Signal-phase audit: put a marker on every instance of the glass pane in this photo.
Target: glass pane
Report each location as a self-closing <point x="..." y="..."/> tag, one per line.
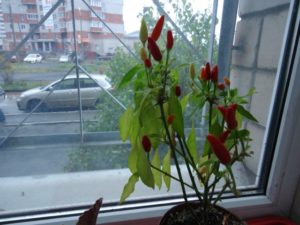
<point x="57" y="151"/>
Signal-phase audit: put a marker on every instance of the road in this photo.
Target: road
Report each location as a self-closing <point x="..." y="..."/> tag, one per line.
<point x="40" y="123"/>
<point x="40" y="146"/>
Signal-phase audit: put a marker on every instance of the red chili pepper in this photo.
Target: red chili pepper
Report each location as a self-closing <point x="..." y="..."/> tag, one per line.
<point x="158" y="28"/>
<point x="221" y="86"/>
<point x="170" y="119"/>
<point x="231" y="120"/>
<point x="170" y="40"/>
<point x="223" y="110"/>
<point x="177" y="91"/>
<point x="229" y="115"/>
<point x="219" y="149"/>
<point x="154" y="49"/>
<point x="147" y="63"/>
<point x="146" y="143"/>
<point x="224" y="135"/>
<point x="203" y="75"/>
<point x="207" y="71"/>
<point x="214" y="74"/>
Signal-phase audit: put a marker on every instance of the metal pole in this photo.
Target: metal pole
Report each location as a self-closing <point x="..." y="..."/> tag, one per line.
<point x="163" y="12"/>
<point x="32" y="111"/>
<point x="226" y="36"/>
<point x="13" y="52"/>
<point x="107" y="92"/>
<point x="77" y="71"/>
<point x="212" y="32"/>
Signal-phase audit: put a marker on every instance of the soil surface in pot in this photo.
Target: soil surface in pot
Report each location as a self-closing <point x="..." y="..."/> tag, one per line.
<point x="184" y="216"/>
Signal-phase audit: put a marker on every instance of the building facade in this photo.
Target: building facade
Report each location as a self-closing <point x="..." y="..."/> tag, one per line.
<point x="56" y="33"/>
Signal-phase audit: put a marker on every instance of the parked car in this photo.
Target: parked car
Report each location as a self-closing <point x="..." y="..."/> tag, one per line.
<point x="64" y="93"/>
<point x="64" y="58"/>
<point x="14" y="59"/>
<point x="107" y="56"/>
<point x="33" y="58"/>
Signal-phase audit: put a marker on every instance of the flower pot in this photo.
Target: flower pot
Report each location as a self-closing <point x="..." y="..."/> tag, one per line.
<point x="190" y="214"/>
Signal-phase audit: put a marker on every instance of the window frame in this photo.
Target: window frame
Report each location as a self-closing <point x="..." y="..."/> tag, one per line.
<point x="283" y="176"/>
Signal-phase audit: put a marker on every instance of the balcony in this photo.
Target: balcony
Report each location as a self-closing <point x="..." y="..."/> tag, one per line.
<point x="29" y="2"/>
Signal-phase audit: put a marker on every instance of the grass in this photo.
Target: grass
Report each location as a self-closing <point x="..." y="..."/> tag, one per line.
<point x="23" y="85"/>
<point x="48" y="67"/>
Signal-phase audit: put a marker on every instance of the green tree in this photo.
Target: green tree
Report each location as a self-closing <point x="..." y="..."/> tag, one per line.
<point x="6" y="71"/>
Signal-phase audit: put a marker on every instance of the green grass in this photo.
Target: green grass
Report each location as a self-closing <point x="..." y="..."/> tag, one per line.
<point x="90" y="66"/>
<point x="23" y="85"/>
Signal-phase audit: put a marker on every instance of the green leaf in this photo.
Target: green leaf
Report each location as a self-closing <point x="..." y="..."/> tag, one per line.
<point x="128" y="76"/>
<point x="144" y="168"/>
<point x="129" y="187"/>
<point x="166" y="167"/>
<point x="251" y="91"/>
<point x="132" y="159"/>
<point x="246" y="113"/>
<point x="206" y="149"/>
<point x="157" y="174"/>
<point x="184" y="101"/>
<point x="191" y="142"/>
<point x="135" y="129"/>
<point x="125" y="124"/>
<point x="176" y="110"/>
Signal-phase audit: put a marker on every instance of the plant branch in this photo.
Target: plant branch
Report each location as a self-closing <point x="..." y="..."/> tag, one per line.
<point x="171" y="176"/>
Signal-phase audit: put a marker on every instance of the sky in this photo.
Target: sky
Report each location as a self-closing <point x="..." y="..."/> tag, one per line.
<point x="132" y="8"/>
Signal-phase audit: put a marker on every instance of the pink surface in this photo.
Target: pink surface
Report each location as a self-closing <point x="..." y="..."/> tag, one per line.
<point x="270" y="220"/>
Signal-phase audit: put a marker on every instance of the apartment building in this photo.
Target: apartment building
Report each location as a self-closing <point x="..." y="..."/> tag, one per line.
<point x="2" y="29"/>
<point x="56" y="33"/>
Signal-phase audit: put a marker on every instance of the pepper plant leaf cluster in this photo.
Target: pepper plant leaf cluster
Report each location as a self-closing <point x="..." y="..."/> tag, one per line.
<point x="155" y="127"/>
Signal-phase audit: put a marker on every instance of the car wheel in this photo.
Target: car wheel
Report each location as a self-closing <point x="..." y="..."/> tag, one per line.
<point x="33" y="103"/>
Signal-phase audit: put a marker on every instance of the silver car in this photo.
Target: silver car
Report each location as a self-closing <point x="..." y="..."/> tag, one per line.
<point x="63" y="93"/>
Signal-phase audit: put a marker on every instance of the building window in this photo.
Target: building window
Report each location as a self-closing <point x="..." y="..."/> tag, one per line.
<point x="22" y="26"/>
<point x="32" y="16"/>
<point x="96" y="24"/>
<point x="32" y="7"/>
<point x="96" y="3"/>
<point x="99" y="13"/>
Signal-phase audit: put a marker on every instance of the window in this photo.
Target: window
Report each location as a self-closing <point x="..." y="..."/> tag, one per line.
<point x="99" y="13"/>
<point x="96" y="24"/>
<point x="96" y="3"/>
<point x="65" y="84"/>
<point x="62" y="157"/>
<point x="23" y="26"/>
<point x="32" y="16"/>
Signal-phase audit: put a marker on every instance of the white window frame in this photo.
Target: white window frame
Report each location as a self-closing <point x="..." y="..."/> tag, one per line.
<point x="283" y="177"/>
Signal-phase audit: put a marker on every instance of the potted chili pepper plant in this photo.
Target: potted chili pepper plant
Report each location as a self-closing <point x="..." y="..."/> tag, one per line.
<point x="155" y="126"/>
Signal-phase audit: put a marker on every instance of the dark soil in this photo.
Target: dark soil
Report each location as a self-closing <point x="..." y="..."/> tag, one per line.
<point x="191" y="215"/>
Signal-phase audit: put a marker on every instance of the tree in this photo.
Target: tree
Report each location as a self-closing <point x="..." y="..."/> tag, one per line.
<point x="6" y="71"/>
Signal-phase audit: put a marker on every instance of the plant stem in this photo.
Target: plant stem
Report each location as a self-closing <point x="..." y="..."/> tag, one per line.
<point x="172" y="149"/>
<point x="171" y="176"/>
<point x="189" y="170"/>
